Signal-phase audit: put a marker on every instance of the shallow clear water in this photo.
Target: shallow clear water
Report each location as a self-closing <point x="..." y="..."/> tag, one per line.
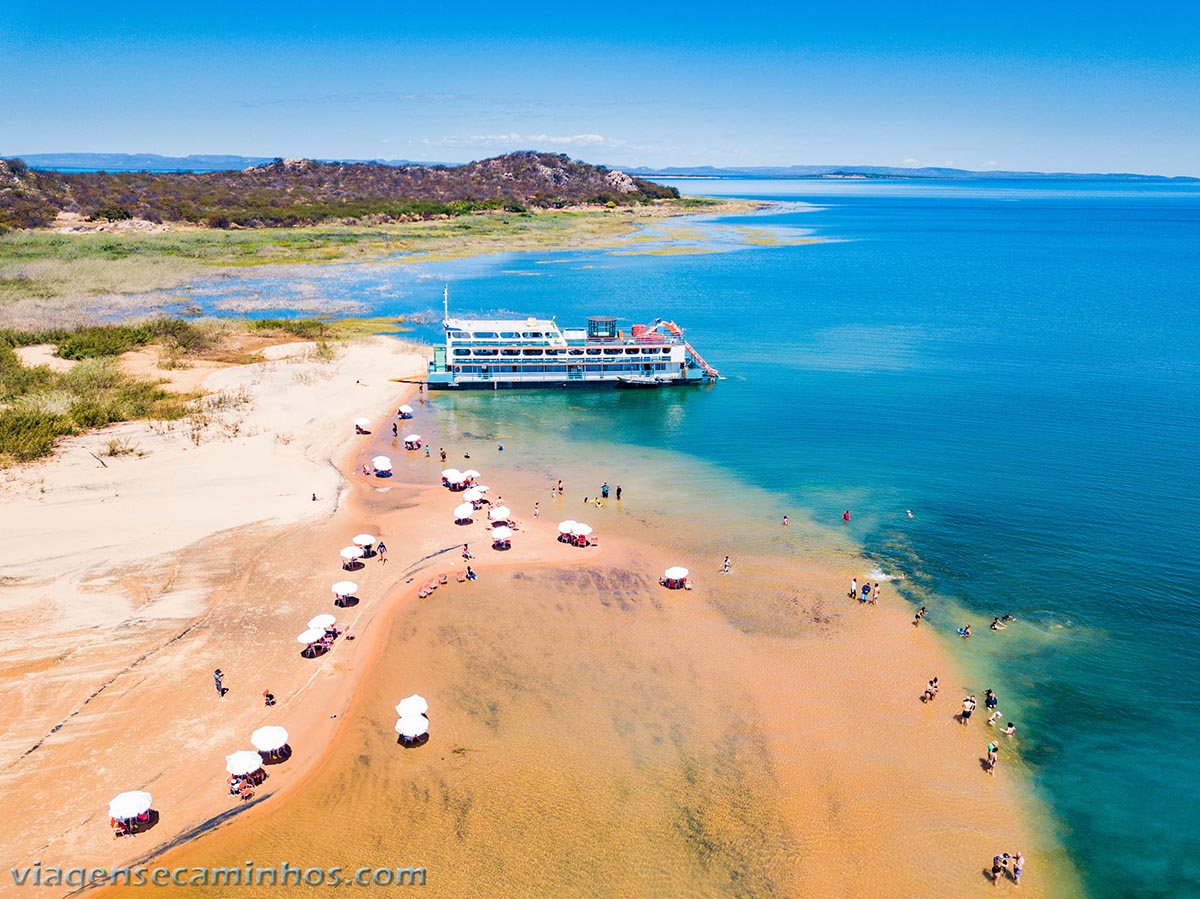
<point x="1014" y="363"/>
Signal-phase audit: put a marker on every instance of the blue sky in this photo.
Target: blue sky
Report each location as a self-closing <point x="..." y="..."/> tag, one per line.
<point x="1079" y="87"/>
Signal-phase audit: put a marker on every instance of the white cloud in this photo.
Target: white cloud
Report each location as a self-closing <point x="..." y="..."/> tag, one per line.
<point x="912" y="163"/>
<point x="991" y="164"/>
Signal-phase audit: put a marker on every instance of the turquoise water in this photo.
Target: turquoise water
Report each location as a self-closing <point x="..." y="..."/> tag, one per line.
<point x="1015" y="363"/>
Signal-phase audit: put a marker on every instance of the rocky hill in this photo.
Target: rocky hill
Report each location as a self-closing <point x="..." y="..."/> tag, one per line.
<point x="298" y="192"/>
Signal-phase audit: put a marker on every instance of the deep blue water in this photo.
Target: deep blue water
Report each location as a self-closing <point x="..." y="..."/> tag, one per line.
<point x="1017" y="364"/>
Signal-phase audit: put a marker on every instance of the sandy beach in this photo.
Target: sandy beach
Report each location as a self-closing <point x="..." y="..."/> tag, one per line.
<point x="130" y="579"/>
<point x="591" y="732"/>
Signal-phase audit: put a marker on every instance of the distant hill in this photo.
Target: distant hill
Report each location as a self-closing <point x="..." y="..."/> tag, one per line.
<point x="864" y="172"/>
<point x="284" y="193"/>
<point x="152" y="162"/>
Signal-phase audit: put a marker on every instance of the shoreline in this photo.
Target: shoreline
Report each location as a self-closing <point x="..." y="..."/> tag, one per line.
<point x="347" y="696"/>
<point x="252" y="829"/>
<point x="54" y="279"/>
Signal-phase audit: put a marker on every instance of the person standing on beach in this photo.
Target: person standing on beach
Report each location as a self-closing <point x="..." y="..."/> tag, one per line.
<point x="1018" y="864"/>
<point x="921" y="613"/>
<point x="968" y="709"/>
<point x="785" y="521"/>
<point x="442" y="453"/>
<point x="618" y="493"/>
<point x="560" y="488"/>
<point x="930" y="691"/>
<point x="382" y="550"/>
<point x="604" y="490"/>
<point x="854" y="588"/>
<point x="992" y="757"/>
<point x="395" y="430"/>
<point x="875" y="594"/>
<point x="217" y="675"/>
<point x="536" y="510"/>
<point x="997" y="869"/>
<point x="726" y="566"/>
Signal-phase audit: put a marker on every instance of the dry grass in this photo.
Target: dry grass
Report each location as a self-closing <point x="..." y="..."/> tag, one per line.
<point x="54" y="279"/>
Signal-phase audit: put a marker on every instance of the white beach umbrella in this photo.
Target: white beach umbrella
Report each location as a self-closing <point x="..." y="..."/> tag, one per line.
<point x="473" y="495"/>
<point x="413" y="438"/>
<point x="675" y="574"/>
<point x="310" y="636"/>
<point x="364" y="540"/>
<point x="470" y="473"/>
<point x="463" y="510"/>
<point x="410" y="726"/>
<point x="482" y="488"/>
<point x="362" y="422"/>
<point x="269" y="738"/>
<point x="128" y="805"/>
<point x="412" y="706"/>
<point x="322" y="621"/>
<point x="501" y="533"/>
<point x="565" y="527"/>
<point x="453" y="475"/>
<point x="581" y="529"/>
<point x="500" y="513"/>
<point x="244" y="761"/>
<point x="406" y="409"/>
<point x="352" y="552"/>
<point x="382" y="463"/>
<point x="344" y="588"/>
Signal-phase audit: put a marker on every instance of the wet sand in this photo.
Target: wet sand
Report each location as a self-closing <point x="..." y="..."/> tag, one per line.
<point x="595" y="734"/>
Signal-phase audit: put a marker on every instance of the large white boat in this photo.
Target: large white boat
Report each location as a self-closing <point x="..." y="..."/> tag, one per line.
<point x="531" y="352"/>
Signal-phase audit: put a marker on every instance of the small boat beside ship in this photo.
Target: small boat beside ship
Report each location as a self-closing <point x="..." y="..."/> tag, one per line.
<point x="531" y="352"/>
<point x="640" y="382"/>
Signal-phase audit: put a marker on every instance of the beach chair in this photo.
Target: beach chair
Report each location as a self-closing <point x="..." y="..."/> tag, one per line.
<point x="593" y="541"/>
<point x="461" y="575"/>
<point x="443" y="579"/>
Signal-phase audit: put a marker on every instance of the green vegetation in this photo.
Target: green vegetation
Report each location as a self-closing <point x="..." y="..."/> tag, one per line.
<point x="38" y="406"/>
<point x="97" y="341"/>
<point x="304" y="328"/>
<point x="67" y="278"/>
<point x="302" y="192"/>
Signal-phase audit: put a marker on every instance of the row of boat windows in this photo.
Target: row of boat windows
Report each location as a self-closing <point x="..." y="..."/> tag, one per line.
<point x="501" y="335"/>
<point x="526" y="369"/>
<point x="575" y="351"/>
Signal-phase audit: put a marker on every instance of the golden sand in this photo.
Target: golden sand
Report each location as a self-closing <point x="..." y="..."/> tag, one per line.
<point x="592" y="733"/>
